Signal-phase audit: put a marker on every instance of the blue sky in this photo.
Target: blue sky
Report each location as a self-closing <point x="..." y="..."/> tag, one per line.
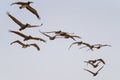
<point x="96" y="21"/>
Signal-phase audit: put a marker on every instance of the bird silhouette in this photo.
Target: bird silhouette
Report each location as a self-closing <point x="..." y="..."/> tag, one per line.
<point x="78" y="43"/>
<point x="22" y="26"/>
<point x="93" y="73"/>
<point x="50" y="37"/>
<point x="27" y="6"/>
<point x="26" y="45"/>
<point x="27" y="37"/>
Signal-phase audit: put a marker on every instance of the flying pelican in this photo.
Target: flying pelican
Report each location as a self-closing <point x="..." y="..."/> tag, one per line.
<point x="22" y="26"/>
<point x="27" y="37"/>
<point x="25" y="45"/>
<point x="27" y="6"/>
<point x="94" y="74"/>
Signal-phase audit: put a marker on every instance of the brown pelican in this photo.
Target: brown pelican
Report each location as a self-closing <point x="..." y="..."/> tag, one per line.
<point x="22" y="26"/>
<point x="26" y="45"/>
<point x="27" y="6"/>
<point x="27" y="37"/>
<point x="50" y="37"/>
<point x="94" y="74"/>
<point x="78" y="43"/>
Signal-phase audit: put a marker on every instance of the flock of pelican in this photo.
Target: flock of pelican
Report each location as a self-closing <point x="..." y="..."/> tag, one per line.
<point x="56" y="34"/>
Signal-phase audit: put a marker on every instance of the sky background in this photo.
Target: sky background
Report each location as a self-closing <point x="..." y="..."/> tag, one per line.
<point x="96" y="21"/>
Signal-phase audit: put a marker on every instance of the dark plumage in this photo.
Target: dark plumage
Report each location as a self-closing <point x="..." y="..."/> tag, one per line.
<point x="26" y="45"/>
<point x="27" y="37"/>
<point x="27" y="6"/>
<point x="22" y="26"/>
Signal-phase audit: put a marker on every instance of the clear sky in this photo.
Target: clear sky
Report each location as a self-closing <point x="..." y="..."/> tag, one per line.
<point x="96" y="21"/>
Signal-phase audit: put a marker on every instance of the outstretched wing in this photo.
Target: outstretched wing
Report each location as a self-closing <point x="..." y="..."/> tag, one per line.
<point x="17" y="41"/>
<point x="45" y="34"/>
<point x="72" y="44"/>
<point x="33" y="11"/>
<point x="101" y="60"/>
<point x="34" y="26"/>
<point x="35" y="38"/>
<point x="19" y="3"/>
<point x="18" y="33"/>
<point x="89" y="71"/>
<point x="15" y="20"/>
<point x="36" y="46"/>
<point x="99" y="69"/>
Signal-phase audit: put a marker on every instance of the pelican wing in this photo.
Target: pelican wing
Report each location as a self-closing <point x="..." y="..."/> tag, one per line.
<point x="89" y="71"/>
<point x="18" y="33"/>
<point x="33" y="11"/>
<point x="19" y="3"/>
<point x="15" y="20"/>
<point x="34" y="26"/>
<point x="101" y="60"/>
<point x="99" y="69"/>
<point x="35" y="45"/>
<point x="17" y="41"/>
<point x="45" y="34"/>
<point x="73" y="44"/>
<point x="35" y="38"/>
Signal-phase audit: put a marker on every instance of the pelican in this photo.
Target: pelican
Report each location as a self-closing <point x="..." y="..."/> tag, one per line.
<point x="26" y="45"/>
<point x="27" y="6"/>
<point x="93" y="73"/>
<point x="22" y="26"/>
<point x="27" y="37"/>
